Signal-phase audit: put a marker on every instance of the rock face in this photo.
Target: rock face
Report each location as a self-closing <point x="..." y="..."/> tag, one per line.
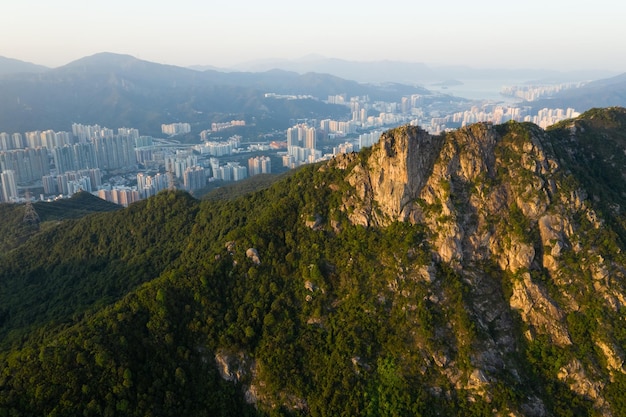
<point x="399" y="167"/>
<point x="238" y="368"/>
<point x="388" y="185"/>
<point x="497" y="195"/>
<point x="539" y="311"/>
<point x="253" y="255"/>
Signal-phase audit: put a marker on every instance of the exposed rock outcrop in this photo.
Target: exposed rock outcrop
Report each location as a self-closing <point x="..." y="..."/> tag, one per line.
<point x="253" y="255"/>
<point x="399" y="166"/>
<point x="497" y="196"/>
<point x="537" y="309"/>
<point x="505" y="277"/>
<point x="387" y="188"/>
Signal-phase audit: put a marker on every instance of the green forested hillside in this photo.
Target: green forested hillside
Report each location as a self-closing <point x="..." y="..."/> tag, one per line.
<point x="277" y="303"/>
<point x="598" y="159"/>
<point x="78" y="205"/>
<point x="163" y="334"/>
<point x="16" y="228"/>
<point x="78" y="264"/>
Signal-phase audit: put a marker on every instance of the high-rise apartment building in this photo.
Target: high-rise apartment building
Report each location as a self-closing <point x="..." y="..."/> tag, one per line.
<point x="259" y="165"/>
<point x="345" y="147"/>
<point x="62" y="187"/>
<point x="301" y="135"/>
<point x="48" y="139"/>
<point x="232" y="171"/>
<point x="63" y="138"/>
<point x="18" y="141"/>
<point x="194" y="178"/>
<point x="144" y="155"/>
<point x="64" y="160"/>
<point x="147" y="185"/>
<point x="176" y="128"/>
<point x="368" y="139"/>
<point x="28" y="164"/>
<point x="115" y="152"/>
<point x="301" y="143"/>
<point x="33" y="139"/>
<point x="128" y="132"/>
<point x="85" y="133"/>
<point x="77" y="184"/>
<point x="120" y="195"/>
<point x="49" y="185"/>
<point x="325" y="125"/>
<point x="9" y="186"/>
<point x="310" y="139"/>
<point x="216" y="148"/>
<point x="5" y="142"/>
<point x="95" y="176"/>
<point x="239" y="172"/>
<point x="179" y="163"/>
<point x="144" y="141"/>
<point x="85" y="155"/>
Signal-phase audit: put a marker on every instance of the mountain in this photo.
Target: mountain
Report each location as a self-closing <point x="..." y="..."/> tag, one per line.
<point x="476" y="273"/>
<point x="373" y="72"/>
<point x="19" y="223"/>
<point x="601" y="93"/>
<point x="119" y="90"/>
<point x="413" y="72"/>
<point x="11" y="66"/>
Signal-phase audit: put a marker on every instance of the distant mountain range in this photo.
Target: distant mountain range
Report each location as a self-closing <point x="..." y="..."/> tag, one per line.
<point x="413" y="72"/>
<point x="120" y="90"/>
<point x="601" y="93"/>
<point x="608" y="90"/>
<point x="11" y="66"/>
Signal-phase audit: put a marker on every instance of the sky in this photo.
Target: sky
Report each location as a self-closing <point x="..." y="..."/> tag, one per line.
<point x="539" y="34"/>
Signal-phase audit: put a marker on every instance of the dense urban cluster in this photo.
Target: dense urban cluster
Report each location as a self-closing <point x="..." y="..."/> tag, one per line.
<point x="436" y="119"/>
<point x="536" y="92"/>
<point x="63" y="163"/>
<point x="123" y="166"/>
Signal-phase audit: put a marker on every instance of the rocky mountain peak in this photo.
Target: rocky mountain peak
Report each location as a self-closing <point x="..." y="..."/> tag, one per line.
<point x="390" y="179"/>
<point x="503" y="196"/>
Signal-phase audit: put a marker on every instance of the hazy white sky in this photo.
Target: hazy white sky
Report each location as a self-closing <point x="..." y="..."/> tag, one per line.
<point x="551" y="34"/>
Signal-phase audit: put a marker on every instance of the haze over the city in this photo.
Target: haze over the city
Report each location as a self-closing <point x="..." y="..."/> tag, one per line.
<point x="558" y="35"/>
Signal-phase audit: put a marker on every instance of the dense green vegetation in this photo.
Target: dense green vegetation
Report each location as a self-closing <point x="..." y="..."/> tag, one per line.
<point x="329" y="348"/>
<point x="225" y="191"/>
<point x="15" y="229"/>
<point x="125" y="313"/>
<point x="67" y="269"/>
<point x="598" y="161"/>
<point x="77" y="206"/>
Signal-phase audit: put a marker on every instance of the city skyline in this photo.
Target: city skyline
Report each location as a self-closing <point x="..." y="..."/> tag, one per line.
<point x="555" y="35"/>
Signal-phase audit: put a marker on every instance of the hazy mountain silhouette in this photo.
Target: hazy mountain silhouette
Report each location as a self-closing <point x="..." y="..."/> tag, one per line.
<point x="412" y="72"/>
<point x="11" y="66"/>
<point x="601" y="93"/>
<point x="119" y="90"/>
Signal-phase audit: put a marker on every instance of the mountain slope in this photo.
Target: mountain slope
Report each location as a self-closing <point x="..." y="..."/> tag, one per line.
<point x="67" y="269"/>
<point x="601" y="93"/>
<point x="17" y="226"/>
<point x="12" y="66"/>
<point x="120" y="90"/>
<point x="412" y="72"/>
<point x="474" y="273"/>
